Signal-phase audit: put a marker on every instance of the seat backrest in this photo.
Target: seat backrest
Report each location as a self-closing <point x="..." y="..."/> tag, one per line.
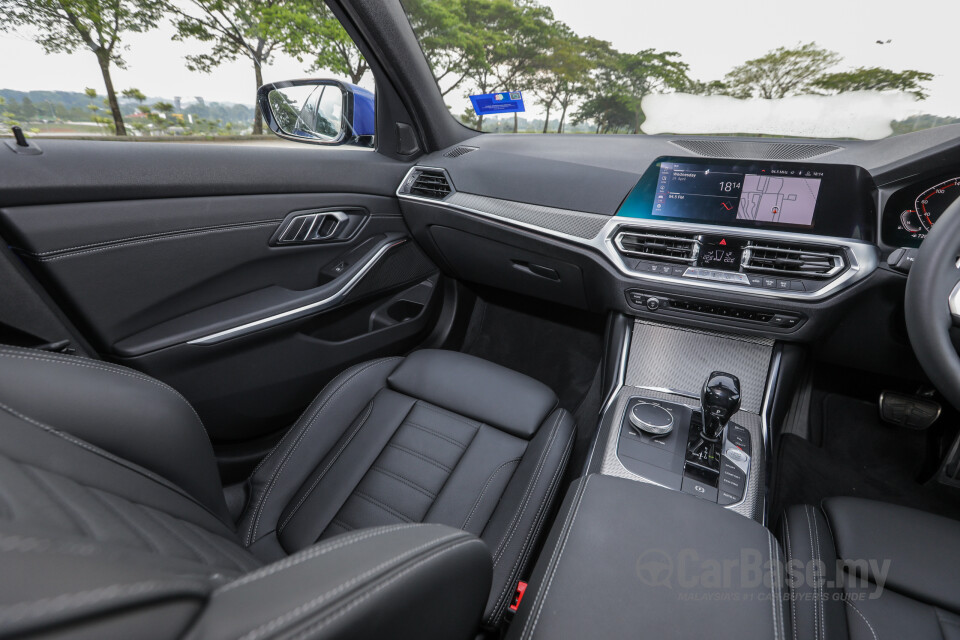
<point x="85" y="531"/>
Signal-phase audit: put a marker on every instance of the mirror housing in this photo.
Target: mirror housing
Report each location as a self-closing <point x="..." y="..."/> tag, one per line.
<point x="319" y="111"/>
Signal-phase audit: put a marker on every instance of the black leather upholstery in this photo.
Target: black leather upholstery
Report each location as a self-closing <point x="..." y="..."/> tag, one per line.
<point x="111" y="510"/>
<point x="894" y="571"/>
<point x="428" y="438"/>
<point x="634" y="560"/>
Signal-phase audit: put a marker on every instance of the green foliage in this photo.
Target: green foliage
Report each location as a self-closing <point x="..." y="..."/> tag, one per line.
<point x="321" y="40"/>
<point x="134" y="94"/>
<point x="781" y="72"/>
<point x="874" y="79"/>
<point x="65" y="26"/>
<point x="251" y="29"/>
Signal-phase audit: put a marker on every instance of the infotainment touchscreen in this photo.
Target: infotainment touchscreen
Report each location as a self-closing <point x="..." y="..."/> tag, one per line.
<point x="721" y="194"/>
<point x="803" y="197"/>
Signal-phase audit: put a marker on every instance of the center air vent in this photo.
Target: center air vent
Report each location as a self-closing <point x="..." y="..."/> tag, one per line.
<point x="429" y="183"/>
<point x="792" y="260"/>
<point x="661" y="245"/>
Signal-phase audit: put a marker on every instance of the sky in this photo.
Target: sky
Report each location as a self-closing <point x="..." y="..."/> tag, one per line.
<point x="712" y="37"/>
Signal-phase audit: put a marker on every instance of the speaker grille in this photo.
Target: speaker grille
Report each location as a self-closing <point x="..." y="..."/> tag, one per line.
<point x="756" y="150"/>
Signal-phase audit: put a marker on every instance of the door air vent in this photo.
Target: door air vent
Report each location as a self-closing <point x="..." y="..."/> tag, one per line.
<point x="659" y="245"/>
<point x="429" y="183"/>
<point x="792" y="260"/>
<point x="456" y="152"/>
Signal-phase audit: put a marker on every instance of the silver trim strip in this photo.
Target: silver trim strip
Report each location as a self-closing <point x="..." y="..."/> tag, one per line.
<point x="621" y="373"/>
<point x="766" y="415"/>
<point x="676" y="392"/>
<point x="862" y="257"/>
<point x="299" y="312"/>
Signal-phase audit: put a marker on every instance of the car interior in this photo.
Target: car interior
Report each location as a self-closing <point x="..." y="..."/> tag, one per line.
<point x="467" y="385"/>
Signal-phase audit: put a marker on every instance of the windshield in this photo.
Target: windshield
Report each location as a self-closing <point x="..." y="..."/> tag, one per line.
<point x="820" y="68"/>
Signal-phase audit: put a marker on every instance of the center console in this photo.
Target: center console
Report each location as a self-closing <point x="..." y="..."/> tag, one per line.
<point x="689" y="414"/>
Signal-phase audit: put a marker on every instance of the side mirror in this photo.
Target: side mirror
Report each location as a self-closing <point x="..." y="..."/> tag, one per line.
<point x="319" y="111"/>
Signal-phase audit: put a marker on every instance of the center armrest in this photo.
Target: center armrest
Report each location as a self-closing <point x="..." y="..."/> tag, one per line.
<point x="630" y="559"/>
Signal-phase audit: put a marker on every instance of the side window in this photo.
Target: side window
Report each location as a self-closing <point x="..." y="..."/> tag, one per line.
<point x="187" y="70"/>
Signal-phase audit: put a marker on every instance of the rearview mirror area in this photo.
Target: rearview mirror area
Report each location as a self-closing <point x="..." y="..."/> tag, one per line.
<point x="319" y="111"/>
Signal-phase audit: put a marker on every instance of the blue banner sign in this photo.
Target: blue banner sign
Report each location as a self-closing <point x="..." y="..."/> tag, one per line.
<point x="493" y="103"/>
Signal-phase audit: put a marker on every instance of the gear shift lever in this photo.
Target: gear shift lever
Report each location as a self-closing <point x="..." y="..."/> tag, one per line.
<point x="719" y="400"/>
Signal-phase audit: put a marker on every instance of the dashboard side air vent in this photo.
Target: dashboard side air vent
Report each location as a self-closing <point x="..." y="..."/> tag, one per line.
<point x="429" y="183"/>
<point x="461" y="150"/>
<point x="659" y="245"/>
<point x="793" y="260"/>
<point x="756" y="150"/>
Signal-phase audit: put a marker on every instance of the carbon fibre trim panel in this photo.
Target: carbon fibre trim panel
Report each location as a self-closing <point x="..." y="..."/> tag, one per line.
<point x="679" y="358"/>
<point x="753" y="500"/>
<point x="574" y="223"/>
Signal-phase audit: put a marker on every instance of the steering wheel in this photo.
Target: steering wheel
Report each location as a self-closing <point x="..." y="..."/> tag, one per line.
<point x="933" y="303"/>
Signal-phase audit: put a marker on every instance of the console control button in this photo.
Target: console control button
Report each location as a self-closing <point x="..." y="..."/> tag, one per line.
<point x="732" y="478"/>
<point x="653" y="303"/>
<point x="700" y="489"/>
<point x="739" y="436"/>
<point x="651" y="418"/>
<point x="770" y="283"/>
<point x="736" y="454"/>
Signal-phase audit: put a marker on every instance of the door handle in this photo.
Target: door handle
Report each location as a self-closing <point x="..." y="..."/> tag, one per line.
<point x="316" y="226"/>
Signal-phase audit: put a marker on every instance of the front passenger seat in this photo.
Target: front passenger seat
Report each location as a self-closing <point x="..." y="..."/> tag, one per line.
<point x="112" y="512"/>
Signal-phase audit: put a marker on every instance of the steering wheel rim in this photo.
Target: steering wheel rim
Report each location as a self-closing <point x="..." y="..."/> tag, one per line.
<point x="932" y="285"/>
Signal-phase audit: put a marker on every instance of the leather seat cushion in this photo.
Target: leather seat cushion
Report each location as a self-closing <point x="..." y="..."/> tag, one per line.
<point x="437" y="437"/>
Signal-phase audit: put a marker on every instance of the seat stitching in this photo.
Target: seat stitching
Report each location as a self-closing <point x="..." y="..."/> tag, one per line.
<point x="773" y="580"/>
<point x="191" y="546"/>
<point x="860" y="613"/>
<point x="45" y="606"/>
<point x="234" y="554"/>
<point x="76" y="515"/>
<point x="421" y="456"/>
<point x="146" y="473"/>
<point x="312" y="552"/>
<point x="534" y="530"/>
<point x="298" y="438"/>
<point x="484" y="491"/>
<point x="133" y="243"/>
<point x="140" y="532"/>
<point x="527" y="492"/>
<point x="816" y="590"/>
<point x="540" y="599"/>
<point x="793" y="603"/>
<point x="94" y="364"/>
<point x="448" y="414"/>
<point x="405" y="481"/>
<point x="322" y="475"/>
<point x="162" y="234"/>
<point x="816" y="537"/>
<point x="436" y="433"/>
<point x="310" y="606"/>
<point x="395" y="512"/>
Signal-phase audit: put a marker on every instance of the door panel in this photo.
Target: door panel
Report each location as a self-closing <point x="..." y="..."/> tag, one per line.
<point x="204" y="293"/>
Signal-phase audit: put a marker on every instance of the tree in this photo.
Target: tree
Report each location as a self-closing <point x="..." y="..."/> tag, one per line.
<point x="781" y="72"/>
<point x="649" y="71"/>
<point x="526" y="28"/>
<point x="874" y="79"/>
<point x="611" y="112"/>
<point x="64" y="26"/>
<point x="251" y="29"/>
<point x="561" y="74"/>
<point x="446" y="37"/>
<point x="328" y="43"/>
<point x="134" y="94"/>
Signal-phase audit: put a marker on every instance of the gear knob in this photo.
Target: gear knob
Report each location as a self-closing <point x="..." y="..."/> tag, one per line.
<point x="719" y="400"/>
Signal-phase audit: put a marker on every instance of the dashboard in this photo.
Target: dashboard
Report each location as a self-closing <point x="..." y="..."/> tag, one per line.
<point x="779" y="238"/>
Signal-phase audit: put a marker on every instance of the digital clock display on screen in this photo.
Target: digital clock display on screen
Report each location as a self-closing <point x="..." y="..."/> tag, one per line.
<point x="721" y="194"/>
